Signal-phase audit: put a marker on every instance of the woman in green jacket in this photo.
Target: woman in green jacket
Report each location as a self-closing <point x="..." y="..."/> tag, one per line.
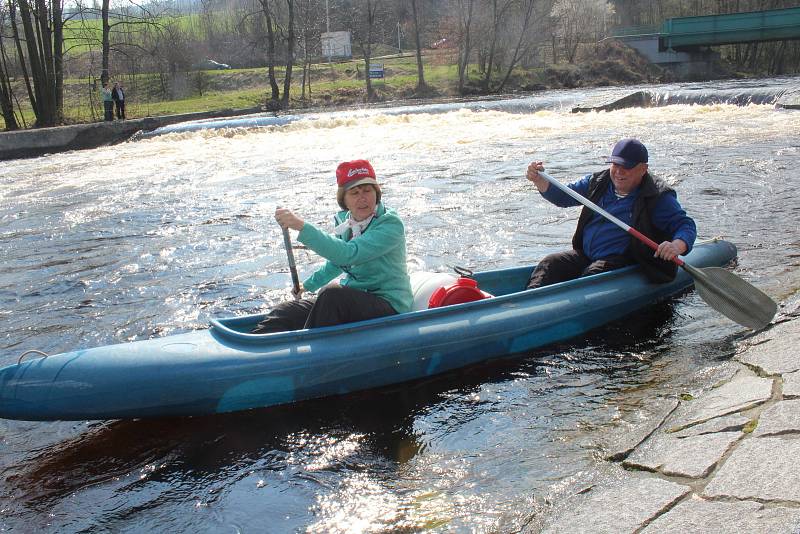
<point x="369" y="248"/>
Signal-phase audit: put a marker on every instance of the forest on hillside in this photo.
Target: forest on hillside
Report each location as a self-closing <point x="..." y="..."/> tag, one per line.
<point x="45" y="42"/>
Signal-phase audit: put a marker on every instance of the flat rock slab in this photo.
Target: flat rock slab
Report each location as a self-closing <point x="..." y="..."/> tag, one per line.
<point x="620" y="506"/>
<point x="692" y="457"/>
<point x="626" y="442"/>
<point x="760" y="468"/>
<point x="781" y="418"/>
<point x="741" y="393"/>
<point x="698" y="515"/>
<point x="728" y="423"/>
<point x="776" y="349"/>
<point x="791" y="385"/>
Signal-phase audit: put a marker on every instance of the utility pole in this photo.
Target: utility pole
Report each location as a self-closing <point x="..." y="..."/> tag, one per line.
<point x="400" y="50"/>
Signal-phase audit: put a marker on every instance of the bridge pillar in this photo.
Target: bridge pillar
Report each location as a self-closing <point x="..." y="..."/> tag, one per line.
<point x="699" y="64"/>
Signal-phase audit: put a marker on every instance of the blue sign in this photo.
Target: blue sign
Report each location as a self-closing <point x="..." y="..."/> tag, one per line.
<point x="376" y="70"/>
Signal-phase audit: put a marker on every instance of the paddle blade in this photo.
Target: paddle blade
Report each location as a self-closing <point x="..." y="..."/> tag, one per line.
<point x="734" y="298"/>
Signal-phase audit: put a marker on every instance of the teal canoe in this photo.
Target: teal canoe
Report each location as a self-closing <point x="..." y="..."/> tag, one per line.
<point x="225" y="369"/>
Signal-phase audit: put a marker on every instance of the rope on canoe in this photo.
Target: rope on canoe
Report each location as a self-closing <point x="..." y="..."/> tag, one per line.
<point x="709" y="240"/>
<point x="32" y="351"/>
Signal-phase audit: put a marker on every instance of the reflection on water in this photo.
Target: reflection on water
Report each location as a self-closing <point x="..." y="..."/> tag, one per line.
<point x="155" y="237"/>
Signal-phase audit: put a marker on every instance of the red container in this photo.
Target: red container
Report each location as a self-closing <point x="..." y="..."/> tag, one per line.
<point x="464" y="290"/>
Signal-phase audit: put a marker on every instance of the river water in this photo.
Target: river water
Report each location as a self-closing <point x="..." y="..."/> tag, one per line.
<point x="154" y="237"/>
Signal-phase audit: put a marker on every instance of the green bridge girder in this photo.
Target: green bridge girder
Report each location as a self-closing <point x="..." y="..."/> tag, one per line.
<point x="687" y="33"/>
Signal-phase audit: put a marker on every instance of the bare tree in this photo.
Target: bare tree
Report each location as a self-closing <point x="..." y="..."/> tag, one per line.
<point x="363" y="19"/>
<point x="104" y="74"/>
<point x="580" y="21"/>
<point x="290" y="46"/>
<point x="269" y="10"/>
<point x="279" y="18"/>
<point x="464" y="10"/>
<point x="307" y="22"/>
<point x="498" y="10"/>
<point x="42" y="26"/>
<point x="6" y="91"/>
<point x="523" y="39"/>
<point x="421" y="86"/>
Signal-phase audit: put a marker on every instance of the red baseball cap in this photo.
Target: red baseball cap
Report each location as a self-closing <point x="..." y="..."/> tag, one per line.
<point x="352" y="173"/>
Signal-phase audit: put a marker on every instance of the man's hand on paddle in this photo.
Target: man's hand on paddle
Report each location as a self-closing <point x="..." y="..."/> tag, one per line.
<point x="669" y="250"/>
<point x="533" y="175"/>
<point x="287" y="219"/>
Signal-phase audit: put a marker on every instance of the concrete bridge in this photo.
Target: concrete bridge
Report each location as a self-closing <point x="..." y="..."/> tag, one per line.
<point x="687" y="40"/>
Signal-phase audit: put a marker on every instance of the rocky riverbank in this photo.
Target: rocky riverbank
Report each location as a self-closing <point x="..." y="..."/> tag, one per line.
<point x="723" y="460"/>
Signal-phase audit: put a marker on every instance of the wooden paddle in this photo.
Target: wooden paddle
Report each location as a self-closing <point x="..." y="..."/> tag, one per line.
<point x="287" y="243"/>
<point x="722" y="290"/>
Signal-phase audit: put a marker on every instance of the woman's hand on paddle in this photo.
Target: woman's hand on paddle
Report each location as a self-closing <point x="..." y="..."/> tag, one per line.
<point x="297" y="293"/>
<point x="669" y="250"/>
<point x="538" y="180"/>
<point x="287" y="219"/>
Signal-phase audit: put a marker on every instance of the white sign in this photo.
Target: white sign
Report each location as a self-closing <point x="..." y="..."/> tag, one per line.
<point x="336" y="44"/>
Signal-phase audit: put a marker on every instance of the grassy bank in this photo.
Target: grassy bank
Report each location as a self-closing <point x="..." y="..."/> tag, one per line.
<point x="333" y="84"/>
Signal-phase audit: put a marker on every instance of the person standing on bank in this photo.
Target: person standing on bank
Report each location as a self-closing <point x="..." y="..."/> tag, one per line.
<point x="629" y="192"/>
<point x="118" y="95"/>
<point x="108" y="102"/>
<point x="369" y="248"/>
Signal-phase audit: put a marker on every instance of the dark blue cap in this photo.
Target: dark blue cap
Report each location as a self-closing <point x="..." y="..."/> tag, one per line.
<point x="628" y="153"/>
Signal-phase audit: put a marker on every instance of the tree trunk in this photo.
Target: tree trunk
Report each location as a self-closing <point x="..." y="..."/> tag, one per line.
<point x="6" y="94"/>
<point x="290" y="44"/>
<point x="40" y="55"/>
<point x="496" y="17"/>
<point x="421" y="86"/>
<point x="105" y="75"/>
<point x="371" y="10"/>
<point x="18" y="43"/>
<point x="274" y="101"/>
<point x="465" y="44"/>
<point x="58" y="59"/>
<point x="522" y="34"/>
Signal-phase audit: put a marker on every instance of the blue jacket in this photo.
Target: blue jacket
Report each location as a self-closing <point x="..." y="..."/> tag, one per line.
<point x="602" y="238"/>
<point x="374" y="262"/>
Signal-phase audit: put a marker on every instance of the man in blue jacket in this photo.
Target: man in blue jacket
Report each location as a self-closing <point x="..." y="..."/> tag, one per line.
<point x="629" y="192"/>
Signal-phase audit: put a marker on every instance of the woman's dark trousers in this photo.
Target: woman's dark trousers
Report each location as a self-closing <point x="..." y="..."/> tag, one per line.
<point x="334" y="305"/>
<point x="572" y="264"/>
<point x="108" y="109"/>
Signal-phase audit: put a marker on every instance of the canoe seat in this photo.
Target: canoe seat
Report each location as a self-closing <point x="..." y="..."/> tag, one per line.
<point x="423" y="284"/>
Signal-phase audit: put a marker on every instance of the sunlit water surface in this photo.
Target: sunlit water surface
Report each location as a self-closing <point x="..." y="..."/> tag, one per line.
<point x="157" y="236"/>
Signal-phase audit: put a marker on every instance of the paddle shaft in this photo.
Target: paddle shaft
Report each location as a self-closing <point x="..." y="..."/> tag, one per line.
<point x="287" y="243"/>
<point x="597" y="209"/>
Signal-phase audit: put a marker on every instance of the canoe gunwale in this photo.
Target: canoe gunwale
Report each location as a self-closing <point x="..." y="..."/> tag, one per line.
<point x="222" y="326"/>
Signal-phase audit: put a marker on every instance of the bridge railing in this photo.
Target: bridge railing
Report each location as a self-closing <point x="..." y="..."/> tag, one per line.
<point x="769" y="25"/>
<point x="648" y="30"/>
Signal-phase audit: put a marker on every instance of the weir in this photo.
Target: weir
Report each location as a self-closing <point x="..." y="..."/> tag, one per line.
<point x="783" y="93"/>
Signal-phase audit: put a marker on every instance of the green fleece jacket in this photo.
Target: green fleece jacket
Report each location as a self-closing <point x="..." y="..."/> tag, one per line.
<point x="374" y="262"/>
